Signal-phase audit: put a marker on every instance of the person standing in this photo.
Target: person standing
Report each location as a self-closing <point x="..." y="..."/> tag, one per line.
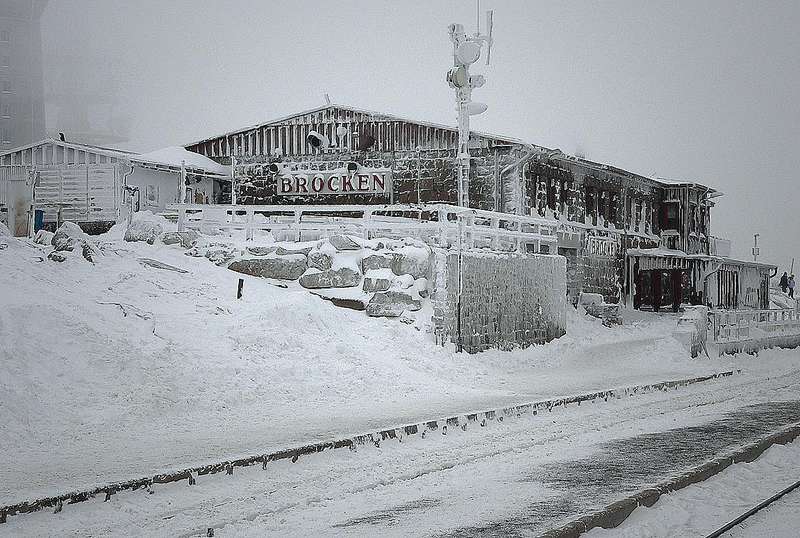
<point x="791" y="286"/>
<point x="784" y="282"/>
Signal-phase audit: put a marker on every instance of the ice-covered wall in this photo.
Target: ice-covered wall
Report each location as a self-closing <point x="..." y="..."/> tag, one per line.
<point x="507" y="301"/>
<point x="424" y="176"/>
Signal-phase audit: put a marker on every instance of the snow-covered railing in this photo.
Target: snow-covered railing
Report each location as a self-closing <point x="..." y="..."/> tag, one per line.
<point x="437" y="224"/>
<point x="741" y="325"/>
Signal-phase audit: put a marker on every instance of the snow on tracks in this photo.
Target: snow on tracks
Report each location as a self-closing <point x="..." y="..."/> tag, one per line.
<point x="352" y="442"/>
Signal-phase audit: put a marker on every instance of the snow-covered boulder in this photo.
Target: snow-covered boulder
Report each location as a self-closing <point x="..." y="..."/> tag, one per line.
<point x="142" y="228"/>
<point x="320" y="260"/>
<point x="280" y="251"/>
<point x="261" y="251"/>
<point x="391" y="304"/>
<point x="43" y="237"/>
<point x="186" y="239"/>
<point x="220" y="253"/>
<point x="70" y="238"/>
<point x="67" y="236"/>
<point x="377" y="280"/>
<point x="375" y="261"/>
<point x="590" y="299"/>
<point x="344" y="277"/>
<point x="281" y="267"/>
<point x="4" y="231"/>
<point x="343" y="242"/>
<point x="412" y="260"/>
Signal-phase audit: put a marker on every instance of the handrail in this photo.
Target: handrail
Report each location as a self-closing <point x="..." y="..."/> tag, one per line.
<point x="739" y="325"/>
<point x="439" y="224"/>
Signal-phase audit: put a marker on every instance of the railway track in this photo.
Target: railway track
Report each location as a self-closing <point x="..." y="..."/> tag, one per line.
<point x="760" y="506"/>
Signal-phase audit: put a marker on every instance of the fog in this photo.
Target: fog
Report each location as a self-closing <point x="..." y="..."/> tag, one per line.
<point x="702" y="91"/>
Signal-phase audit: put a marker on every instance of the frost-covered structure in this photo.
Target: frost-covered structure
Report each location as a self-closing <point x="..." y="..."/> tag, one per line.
<point x="602" y="211"/>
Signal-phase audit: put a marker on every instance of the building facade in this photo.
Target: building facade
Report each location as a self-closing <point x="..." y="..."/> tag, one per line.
<point x="21" y="77"/>
<point x="602" y="211"/>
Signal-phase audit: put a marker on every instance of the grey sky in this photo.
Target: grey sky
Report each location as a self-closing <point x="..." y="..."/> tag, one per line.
<point x="704" y="90"/>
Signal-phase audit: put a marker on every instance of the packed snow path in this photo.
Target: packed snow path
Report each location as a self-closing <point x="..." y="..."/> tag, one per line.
<point x="521" y="476"/>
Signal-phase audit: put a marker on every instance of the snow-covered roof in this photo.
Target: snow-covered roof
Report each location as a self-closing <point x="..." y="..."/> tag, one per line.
<point x="175" y="156"/>
<point x="169" y="157"/>
<point x="674" y="253"/>
<point x="392" y="117"/>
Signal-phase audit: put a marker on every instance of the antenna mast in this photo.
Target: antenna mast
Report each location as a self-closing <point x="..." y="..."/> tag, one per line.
<point x="466" y="51"/>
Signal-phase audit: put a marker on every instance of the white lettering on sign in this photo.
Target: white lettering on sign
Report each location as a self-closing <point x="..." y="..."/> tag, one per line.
<point x="335" y="182"/>
<point x="597" y="246"/>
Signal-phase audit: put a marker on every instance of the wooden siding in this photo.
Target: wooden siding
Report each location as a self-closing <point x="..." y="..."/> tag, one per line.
<point x="50" y="153"/>
<point x="85" y="193"/>
<point x="391" y="134"/>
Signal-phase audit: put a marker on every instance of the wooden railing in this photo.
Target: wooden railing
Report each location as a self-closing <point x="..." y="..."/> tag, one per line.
<point x="436" y="224"/>
<point x="729" y="326"/>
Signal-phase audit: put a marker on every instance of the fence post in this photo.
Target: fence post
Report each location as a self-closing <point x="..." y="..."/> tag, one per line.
<point x="248" y="233"/>
<point x="181" y="218"/>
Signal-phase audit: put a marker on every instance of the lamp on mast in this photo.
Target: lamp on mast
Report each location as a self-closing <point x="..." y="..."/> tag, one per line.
<point x="467" y="51"/>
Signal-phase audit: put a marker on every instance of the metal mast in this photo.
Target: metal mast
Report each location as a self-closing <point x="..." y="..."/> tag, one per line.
<point x="467" y="51"/>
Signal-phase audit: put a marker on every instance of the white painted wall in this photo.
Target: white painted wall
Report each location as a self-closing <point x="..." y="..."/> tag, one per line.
<point x="158" y="188"/>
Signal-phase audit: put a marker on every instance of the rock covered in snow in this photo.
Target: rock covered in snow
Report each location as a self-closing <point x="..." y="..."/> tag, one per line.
<point x="67" y="236"/>
<point x="4" y="231"/>
<point x="280" y="251"/>
<point x="412" y="260"/>
<point x="343" y="277"/>
<point x="261" y="251"/>
<point x="343" y="242"/>
<point x="320" y="260"/>
<point x="186" y="239"/>
<point x="70" y="238"/>
<point x="143" y="229"/>
<point x="391" y="304"/>
<point x="43" y="237"/>
<point x="375" y="261"/>
<point x="221" y="254"/>
<point x="377" y="280"/>
<point x="288" y="267"/>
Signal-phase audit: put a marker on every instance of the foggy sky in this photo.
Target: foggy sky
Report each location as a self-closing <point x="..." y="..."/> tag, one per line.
<point x="698" y="90"/>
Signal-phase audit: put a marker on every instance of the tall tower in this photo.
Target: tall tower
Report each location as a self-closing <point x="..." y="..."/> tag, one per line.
<point x="21" y="77"/>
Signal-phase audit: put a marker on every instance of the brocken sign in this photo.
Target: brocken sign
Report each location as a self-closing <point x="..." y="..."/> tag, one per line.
<point x="369" y="181"/>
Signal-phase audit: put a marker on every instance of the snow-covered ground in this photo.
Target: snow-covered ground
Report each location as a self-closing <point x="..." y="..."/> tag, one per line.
<point x="700" y="509"/>
<point x="515" y="478"/>
<point x="117" y="369"/>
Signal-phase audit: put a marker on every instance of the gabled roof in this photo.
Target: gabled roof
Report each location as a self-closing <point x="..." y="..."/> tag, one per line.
<point x="99" y="150"/>
<point x="378" y="115"/>
<point x="166" y="158"/>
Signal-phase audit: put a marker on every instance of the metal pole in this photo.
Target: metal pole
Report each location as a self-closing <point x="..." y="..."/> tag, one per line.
<point x="182" y="188"/>
<point x="233" y="180"/>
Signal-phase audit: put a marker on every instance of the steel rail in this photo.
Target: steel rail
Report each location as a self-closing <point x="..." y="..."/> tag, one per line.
<point x="731" y="524"/>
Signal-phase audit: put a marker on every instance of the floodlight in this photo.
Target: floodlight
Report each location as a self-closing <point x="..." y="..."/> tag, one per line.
<point x="468" y="52"/>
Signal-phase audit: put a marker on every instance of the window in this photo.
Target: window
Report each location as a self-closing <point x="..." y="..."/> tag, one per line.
<point x="669" y="216"/>
<point x="5" y="137"/>
<point x="5" y="36"/>
<point x="6" y="86"/>
<point x="591" y="208"/>
<point x="5" y="110"/>
<point x="151" y="195"/>
<point x="5" y="61"/>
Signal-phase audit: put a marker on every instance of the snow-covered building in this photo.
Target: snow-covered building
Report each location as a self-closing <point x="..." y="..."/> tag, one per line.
<point x="602" y="211"/>
<point x="95" y="186"/>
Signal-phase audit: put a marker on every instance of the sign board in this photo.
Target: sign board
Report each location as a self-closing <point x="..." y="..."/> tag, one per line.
<point x="364" y="181"/>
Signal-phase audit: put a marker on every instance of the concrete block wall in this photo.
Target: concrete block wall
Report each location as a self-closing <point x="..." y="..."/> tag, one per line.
<point x="507" y="300"/>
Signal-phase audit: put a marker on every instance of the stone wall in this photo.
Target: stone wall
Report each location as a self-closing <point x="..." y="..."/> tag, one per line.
<point x="507" y="301"/>
<point x="427" y="176"/>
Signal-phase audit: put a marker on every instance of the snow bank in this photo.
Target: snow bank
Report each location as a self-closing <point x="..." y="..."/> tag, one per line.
<point x="124" y="369"/>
